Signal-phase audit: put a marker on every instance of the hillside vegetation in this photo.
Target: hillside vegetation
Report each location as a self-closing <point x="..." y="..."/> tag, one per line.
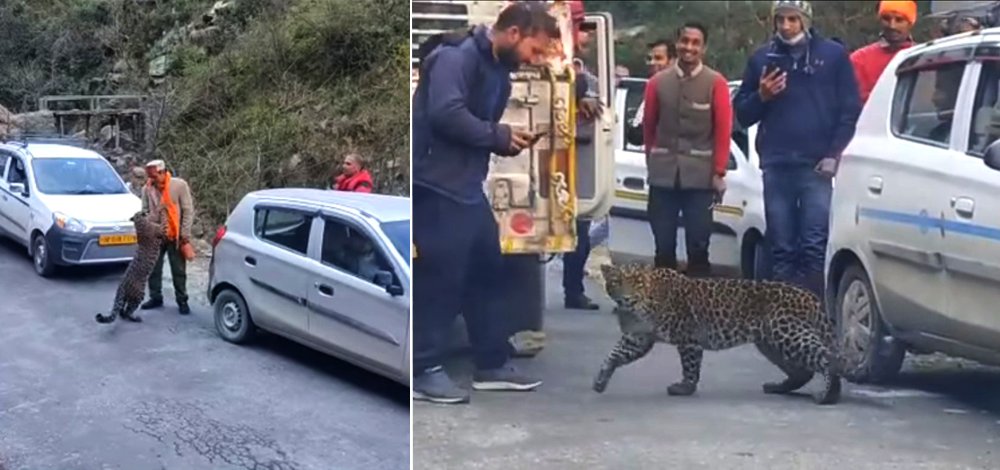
<point x="244" y="94"/>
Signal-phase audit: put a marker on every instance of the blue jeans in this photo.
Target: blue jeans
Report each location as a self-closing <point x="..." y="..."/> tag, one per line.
<point x="797" y="212"/>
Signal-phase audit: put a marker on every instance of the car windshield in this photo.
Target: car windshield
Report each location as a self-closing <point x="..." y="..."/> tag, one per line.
<point x="76" y="176"/>
<point x="399" y="234"/>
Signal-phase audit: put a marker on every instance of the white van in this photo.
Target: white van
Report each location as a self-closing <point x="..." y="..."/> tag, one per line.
<point x="67" y="205"/>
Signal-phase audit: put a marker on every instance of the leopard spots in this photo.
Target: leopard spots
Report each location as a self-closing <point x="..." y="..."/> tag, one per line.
<point x="786" y="323"/>
<point x="132" y="288"/>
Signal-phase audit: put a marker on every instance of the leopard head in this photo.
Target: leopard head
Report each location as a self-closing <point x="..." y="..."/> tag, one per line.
<point x="144" y="228"/>
<point x="620" y="284"/>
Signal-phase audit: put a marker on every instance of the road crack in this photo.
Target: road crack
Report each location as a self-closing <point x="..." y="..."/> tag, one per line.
<point x="188" y="428"/>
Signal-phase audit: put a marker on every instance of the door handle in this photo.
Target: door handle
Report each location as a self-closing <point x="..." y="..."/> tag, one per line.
<point x="964" y="206"/>
<point x="875" y="185"/>
<point x="250" y="261"/>
<point x="324" y="290"/>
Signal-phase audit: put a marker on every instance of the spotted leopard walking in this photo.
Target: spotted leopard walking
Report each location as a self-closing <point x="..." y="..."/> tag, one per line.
<point x="132" y="288"/>
<point x="786" y="323"/>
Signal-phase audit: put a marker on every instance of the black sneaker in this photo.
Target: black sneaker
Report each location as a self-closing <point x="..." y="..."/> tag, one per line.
<point x="183" y="308"/>
<point x="435" y="386"/>
<point x="503" y="379"/>
<point x="151" y="304"/>
<point x="580" y="302"/>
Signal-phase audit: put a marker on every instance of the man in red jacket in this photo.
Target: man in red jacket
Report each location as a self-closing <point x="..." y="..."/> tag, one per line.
<point x="687" y="123"/>
<point x="355" y="176"/>
<point x="897" y="19"/>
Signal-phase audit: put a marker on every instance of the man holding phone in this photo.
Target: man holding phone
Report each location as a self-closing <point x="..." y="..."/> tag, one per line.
<point x="687" y="124"/>
<point x="801" y="89"/>
<point x="457" y="105"/>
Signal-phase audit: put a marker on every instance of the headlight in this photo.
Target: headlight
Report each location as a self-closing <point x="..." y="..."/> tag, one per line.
<point x="68" y="223"/>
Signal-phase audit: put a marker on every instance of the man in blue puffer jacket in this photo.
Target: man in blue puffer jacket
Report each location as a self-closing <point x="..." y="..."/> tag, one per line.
<point x="801" y="88"/>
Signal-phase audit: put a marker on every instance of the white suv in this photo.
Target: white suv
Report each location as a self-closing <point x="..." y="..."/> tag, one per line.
<point x="66" y="204"/>
<point x="914" y="256"/>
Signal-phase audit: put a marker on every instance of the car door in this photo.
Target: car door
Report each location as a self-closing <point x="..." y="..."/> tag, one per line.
<point x="5" y="224"/>
<point x="971" y="250"/>
<point x="894" y="189"/>
<point x="276" y="267"/>
<point x="16" y="205"/>
<point x="348" y="310"/>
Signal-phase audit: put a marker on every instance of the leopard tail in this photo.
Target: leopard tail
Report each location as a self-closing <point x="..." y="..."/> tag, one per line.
<point x="115" y="310"/>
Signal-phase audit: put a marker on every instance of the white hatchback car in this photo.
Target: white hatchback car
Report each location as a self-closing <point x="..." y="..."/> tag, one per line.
<point x="914" y="256"/>
<point x="66" y="204"/>
<point x="738" y="247"/>
<point x="328" y="269"/>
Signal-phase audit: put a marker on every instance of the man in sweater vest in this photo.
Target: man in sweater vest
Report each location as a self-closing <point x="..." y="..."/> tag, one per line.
<point x="897" y="17"/>
<point x="686" y="130"/>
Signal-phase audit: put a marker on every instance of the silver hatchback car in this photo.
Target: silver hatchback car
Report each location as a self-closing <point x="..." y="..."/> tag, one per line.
<point x="327" y="269"/>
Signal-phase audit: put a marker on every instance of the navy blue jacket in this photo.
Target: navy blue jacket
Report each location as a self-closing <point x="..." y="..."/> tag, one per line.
<point x="814" y="117"/>
<point x="462" y="93"/>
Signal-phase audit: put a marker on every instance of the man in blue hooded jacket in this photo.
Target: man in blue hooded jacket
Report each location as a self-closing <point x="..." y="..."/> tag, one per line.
<point x="457" y="105"/>
<point x="801" y="89"/>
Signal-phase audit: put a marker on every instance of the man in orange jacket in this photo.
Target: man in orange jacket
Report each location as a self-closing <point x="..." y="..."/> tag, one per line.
<point x="897" y="19"/>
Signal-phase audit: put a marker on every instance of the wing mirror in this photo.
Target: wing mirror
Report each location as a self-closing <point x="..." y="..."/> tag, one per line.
<point x="386" y="280"/>
<point x="992" y="156"/>
<point x="19" y="188"/>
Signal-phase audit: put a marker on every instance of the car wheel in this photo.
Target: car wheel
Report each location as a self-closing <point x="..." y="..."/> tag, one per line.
<point x="870" y="354"/>
<point x="232" y="318"/>
<point x="41" y="258"/>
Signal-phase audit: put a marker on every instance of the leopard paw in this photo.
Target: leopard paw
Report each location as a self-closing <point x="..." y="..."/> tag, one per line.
<point x="601" y="381"/>
<point x="682" y="389"/>
<point x="133" y="318"/>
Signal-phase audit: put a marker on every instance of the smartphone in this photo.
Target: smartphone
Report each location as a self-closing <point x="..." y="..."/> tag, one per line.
<point x="538" y="136"/>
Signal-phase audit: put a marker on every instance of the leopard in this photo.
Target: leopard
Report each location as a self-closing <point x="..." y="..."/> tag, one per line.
<point x="786" y="323"/>
<point x="132" y="288"/>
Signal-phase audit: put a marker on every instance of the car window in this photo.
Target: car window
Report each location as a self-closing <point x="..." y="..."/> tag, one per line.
<point x="924" y="103"/>
<point x="732" y="162"/>
<point x="17" y="173"/>
<point x="986" y="110"/>
<point x="353" y="251"/>
<point x="3" y="164"/>
<point x="398" y="233"/>
<point x="285" y="227"/>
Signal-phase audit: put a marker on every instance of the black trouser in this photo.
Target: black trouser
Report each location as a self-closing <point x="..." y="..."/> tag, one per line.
<point x="178" y="271"/>
<point x="575" y="261"/>
<point x="665" y="208"/>
<point x="457" y="269"/>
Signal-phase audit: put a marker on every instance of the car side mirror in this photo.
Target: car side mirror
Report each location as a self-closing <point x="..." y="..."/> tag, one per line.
<point x="19" y="188"/>
<point x="386" y="280"/>
<point x="992" y="156"/>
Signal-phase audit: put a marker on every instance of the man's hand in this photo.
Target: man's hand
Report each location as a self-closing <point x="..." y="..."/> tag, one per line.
<point x="827" y="167"/>
<point x="772" y="83"/>
<point x="590" y="108"/>
<point x="520" y="140"/>
<point x="719" y="184"/>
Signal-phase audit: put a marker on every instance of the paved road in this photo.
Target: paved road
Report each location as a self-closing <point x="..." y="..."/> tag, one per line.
<point x="169" y="394"/>
<point x="941" y="414"/>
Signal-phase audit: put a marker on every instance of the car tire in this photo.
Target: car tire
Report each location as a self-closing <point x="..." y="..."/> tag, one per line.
<point x="232" y="318"/>
<point x="41" y="257"/>
<point x="869" y="357"/>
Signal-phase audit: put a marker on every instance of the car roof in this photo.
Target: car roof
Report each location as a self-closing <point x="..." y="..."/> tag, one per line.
<point x="48" y="150"/>
<point x="380" y="206"/>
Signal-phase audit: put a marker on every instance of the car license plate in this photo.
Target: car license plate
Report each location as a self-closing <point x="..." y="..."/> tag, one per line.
<point x="112" y="240"/>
